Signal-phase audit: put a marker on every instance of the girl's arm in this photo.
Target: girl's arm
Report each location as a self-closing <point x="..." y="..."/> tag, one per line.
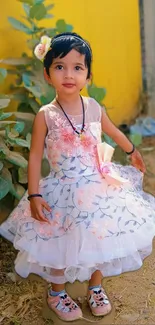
<point x="37" y="204"/>
<point x="118" y="137"/>
<point x="36" y="152"/>
<point x="114" y="133"/>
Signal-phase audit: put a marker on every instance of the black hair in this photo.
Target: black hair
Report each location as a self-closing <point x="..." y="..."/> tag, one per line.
<point x="62" y="44"/>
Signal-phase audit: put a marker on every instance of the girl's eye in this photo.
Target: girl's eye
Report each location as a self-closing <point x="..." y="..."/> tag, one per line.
<point x="78" y="68"/>
<point x="59" y="67"/>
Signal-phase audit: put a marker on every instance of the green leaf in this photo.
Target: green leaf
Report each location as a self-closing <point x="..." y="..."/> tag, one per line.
<point x="4" y="187"/>
<point x="97" y="93"/>
<point x="136" y="139"/>
<point x="1" y="165"/>
<point x="38" y="12"/>
<point x="24" y="108"/>
<point x="51" y="32"/>
<point x="19" y="97"/>
<point x="35" y="90"/>
<point x="4" y="102"/>
<point x="26" y="79"/>
<point x="49" y="16"/>
<point x="48" y="95"/>
<point x="18" y="61"/>
<point x="16" y="159"/>
<point x="19" y="26"/>
<point x="24" y="116"/>
<point x="50" y="7"/>
<point x="69" y="28"/>
<point x="32" y="43"/>
<point x="13" y="133"/>
<point x="63" y="27"/>
<point x="26" y="8"/>
<point x="5" y="182"/>
<point x="6" y="176"/>
<point x="2" y="154"/>
<point x="3" y="147"/>
<point x="20" y="191"/>
<point x="19" y="142"/>
<point x="34" y="104"/>
<point x="37" y="2"/>
<point x="19" y="126"/>
<point x="7" y="164"/>
<point x="29" y="2"/>
<point x="3" y="116"/>
<point x="28" y="139"/>
<point x="4" y="124"/>
<point x="22" y="175"/>
<point x="5" y="173"/>
<point x="3" y="74"/>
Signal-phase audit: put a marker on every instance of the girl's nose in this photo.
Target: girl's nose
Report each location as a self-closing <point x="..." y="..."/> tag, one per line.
<point x="68" y="74"/>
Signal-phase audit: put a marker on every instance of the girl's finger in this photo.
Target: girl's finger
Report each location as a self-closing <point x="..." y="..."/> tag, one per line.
<point x="46" y="206"/>
<point x="41" y="216"/>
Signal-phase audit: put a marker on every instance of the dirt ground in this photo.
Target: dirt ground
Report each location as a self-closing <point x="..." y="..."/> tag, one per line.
<point x="132" y="294"/>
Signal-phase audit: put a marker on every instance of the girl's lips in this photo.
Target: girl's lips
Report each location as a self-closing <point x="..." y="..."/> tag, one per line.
<point x="68" y="85"/>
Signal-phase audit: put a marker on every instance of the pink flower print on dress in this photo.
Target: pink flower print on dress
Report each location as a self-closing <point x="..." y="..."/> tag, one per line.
<point x="27" y="212"/>
<point x="87" y="142"/>
<point x="43" y="231"/>
<point x="15" y="215"/>
<point x="57" y="146"/>
<point x="80" y="201"/>
<point x="57" y="214"/>
<point x="77" y="142"/>
<point x="59" y="122"/>
<point x="68" y="137"/>
<point x="84" y="198"/>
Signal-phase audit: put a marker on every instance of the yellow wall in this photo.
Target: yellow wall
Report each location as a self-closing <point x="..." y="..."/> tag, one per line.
<point x="112" y="28"/>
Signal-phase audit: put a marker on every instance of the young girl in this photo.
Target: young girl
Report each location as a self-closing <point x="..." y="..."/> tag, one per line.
<point x="75" y="223"/>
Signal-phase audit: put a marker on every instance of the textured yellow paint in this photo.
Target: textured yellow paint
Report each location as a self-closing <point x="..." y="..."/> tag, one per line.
<point x="112" y="28"/>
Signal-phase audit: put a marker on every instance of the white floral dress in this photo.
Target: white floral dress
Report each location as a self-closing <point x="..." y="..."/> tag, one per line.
<point x="93" y="225"/>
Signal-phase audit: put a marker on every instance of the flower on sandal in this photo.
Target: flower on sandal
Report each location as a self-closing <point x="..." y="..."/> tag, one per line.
<point x="43" y="47"/>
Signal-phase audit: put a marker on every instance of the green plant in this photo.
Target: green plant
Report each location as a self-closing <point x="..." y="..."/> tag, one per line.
<point x="13" y="164"/>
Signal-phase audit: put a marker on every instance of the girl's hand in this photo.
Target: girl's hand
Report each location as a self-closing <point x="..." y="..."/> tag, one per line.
<point x="37" y="204"/>
<point x="137" y="161"/>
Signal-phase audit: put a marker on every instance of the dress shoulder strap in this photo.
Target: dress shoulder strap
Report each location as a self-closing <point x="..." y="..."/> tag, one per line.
<point x="95" y="110"/>
<point x="48" y="113"/>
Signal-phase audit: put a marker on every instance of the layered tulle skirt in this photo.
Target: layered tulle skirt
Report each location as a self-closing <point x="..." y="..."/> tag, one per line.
<point x="93" y="226"/>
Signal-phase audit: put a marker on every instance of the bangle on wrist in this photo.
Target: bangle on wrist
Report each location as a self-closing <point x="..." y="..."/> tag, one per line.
<point x="34" y="195"/>
<point x="132" y="151"/>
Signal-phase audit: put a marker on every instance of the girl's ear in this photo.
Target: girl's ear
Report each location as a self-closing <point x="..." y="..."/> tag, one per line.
<point x="90" y="79"/>
<point x="47" y="77"/>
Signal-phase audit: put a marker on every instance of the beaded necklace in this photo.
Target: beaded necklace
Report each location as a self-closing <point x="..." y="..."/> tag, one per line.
<point x="79" y="133"/>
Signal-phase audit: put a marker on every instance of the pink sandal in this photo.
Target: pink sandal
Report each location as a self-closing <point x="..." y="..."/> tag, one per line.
<point x="98" y="302"/>
<point x="64" y="307"/>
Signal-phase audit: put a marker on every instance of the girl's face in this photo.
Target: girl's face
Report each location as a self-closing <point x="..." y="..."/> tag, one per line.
<point x="68" y="75"/>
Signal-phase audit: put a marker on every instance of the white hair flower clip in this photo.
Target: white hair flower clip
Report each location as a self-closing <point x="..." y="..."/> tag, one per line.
<point x="43" y="47"/>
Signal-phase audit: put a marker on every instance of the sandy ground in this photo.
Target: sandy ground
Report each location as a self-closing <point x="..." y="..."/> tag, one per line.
<point x="132" y="294"/>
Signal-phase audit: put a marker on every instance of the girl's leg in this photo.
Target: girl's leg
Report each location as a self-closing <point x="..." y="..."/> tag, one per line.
<point x="96" y="279"/>
<point x="97" y="298"/>
<point x="62" y="304"/>
<point x="58" y="287"/>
